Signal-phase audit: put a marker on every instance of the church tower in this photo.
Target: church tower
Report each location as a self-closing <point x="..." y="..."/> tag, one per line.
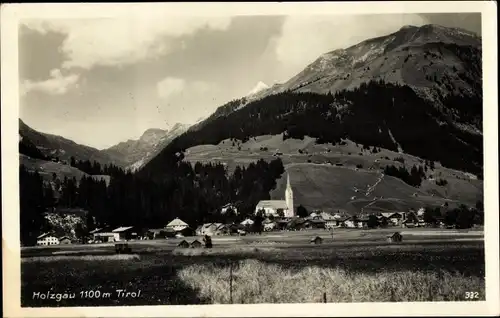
<point x="289" y="198"/>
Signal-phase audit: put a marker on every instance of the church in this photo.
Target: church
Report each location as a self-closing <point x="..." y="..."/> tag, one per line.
<point x="274" y="207"/>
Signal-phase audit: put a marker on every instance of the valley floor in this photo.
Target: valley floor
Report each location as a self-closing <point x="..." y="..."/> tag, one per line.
<point x="351" y="266"/>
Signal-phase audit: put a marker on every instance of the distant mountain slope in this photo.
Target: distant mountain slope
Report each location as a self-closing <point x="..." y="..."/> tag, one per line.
<point x="433" y="60"/>
<point x="56" y="146"/>
<point x="47" y="168"/>
<point x="417" y="91"/>
<point x="343" y="176"/>
<point x="136" y="153"/>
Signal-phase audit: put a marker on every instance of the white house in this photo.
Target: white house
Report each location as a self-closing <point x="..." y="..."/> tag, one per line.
<point x="274" y="207"/>
<point x="47" y="239"/>
<point x="124" y="233"/>
<point x="177" y="225"/>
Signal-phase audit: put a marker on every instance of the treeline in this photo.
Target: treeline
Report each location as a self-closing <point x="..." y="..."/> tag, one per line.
<point x="386" y="112"/>
<point x="95" y="168"/>
<point x="413" y="177"/>
<point x="27" y="148"/>
<point x="194" y="194"/>
<point x="461" y="217"/>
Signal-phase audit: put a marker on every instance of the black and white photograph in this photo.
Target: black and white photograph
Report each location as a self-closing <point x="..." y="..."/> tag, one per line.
<point x="233" y="159"/>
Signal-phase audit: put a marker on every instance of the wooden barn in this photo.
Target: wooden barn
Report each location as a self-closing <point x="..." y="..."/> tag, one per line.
<point x="64" y="240"/>
<point x="316" y="240"/>
<point x="183" y="244"/>
<point x="396" y="237"/>
<point x="196" y="244"/>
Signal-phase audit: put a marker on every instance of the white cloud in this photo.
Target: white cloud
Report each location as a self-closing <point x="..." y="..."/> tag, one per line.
<point x="171" y="87"/>
<point x="305" y="38"/>
<point x="57" y="84"/>
<point x="117" y="41"/>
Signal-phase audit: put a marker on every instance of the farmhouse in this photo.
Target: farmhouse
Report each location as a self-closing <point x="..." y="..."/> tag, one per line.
<point x="276" y="207"/>
<point x="124" y="233"/>
<point x="183" y="244"/>
<point x="269" y="225"/>
<point x="394" y="218"/>
<point x="229" y="207"/>
<point x="212" y="229"/>
<point x="411" y="220"/>
<point x="47" y="239"/>
<point x="349" y="222"/>
<point x="105" y="236"/>
<point x="314" y="224"/>
<point x="177" y="225"/>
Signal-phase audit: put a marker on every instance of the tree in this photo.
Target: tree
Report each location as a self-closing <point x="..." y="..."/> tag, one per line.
<point x="257" y="225"/>
<point x="372" y="221"/>
<point x="302" y="211"/>
<point x="384" y="222"/>
<point x="431" y="215"/>
<point x="465" y="217"/>
<point x="450" y="217"/>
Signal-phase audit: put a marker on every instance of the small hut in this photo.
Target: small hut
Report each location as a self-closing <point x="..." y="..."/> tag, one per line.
<point x="396" y="237"/>
<point x="183" y="244"/>
<point x="122" y="248"/>
<point x="316" y="240"/>
<point x="196" y="244"/>
<point x="64" y="240"/>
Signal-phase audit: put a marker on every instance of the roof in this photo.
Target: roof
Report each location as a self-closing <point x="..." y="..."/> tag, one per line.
<point x="95" y="230"/>
<point x="121" y="229"/>
<point x="247" y="221"/>
<point x="316" y="221"/>
<point x="275" y="204"/>
<point x="42" y="235"/>
<point x="195" y="242"/>
<point x="64" y="237"/>
<point x="155" y="230"/>
<point x="208" y="225"/>
<point x="177" y="222"/>
<point x="327" y="216"/>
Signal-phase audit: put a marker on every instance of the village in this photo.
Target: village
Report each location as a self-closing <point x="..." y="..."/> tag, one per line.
<point x="270" y="216"/>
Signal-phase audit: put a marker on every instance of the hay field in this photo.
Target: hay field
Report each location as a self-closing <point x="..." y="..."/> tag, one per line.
<point x="353" y="266"/>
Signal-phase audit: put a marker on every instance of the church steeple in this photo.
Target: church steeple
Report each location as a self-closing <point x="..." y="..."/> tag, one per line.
<point x="289" y="198"/>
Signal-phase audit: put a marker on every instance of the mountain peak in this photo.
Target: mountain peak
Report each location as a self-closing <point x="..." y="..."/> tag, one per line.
<point x="408" y="27"/>
<point x="152" y="135"/>
<point x="258" y="87"/>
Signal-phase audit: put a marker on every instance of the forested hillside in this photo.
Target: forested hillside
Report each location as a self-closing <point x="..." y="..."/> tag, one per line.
<point x="375" y="114"/>
<point x="194" y="194"/>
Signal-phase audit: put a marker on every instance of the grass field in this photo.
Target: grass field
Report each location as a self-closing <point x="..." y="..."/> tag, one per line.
<point x="353" y="266"/>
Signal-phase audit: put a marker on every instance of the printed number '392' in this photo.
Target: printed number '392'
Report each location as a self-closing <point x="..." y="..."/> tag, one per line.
<point x="471" y="295"/>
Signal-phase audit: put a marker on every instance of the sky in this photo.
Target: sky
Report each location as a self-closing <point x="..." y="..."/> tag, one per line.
<point x="102" y="81"/>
